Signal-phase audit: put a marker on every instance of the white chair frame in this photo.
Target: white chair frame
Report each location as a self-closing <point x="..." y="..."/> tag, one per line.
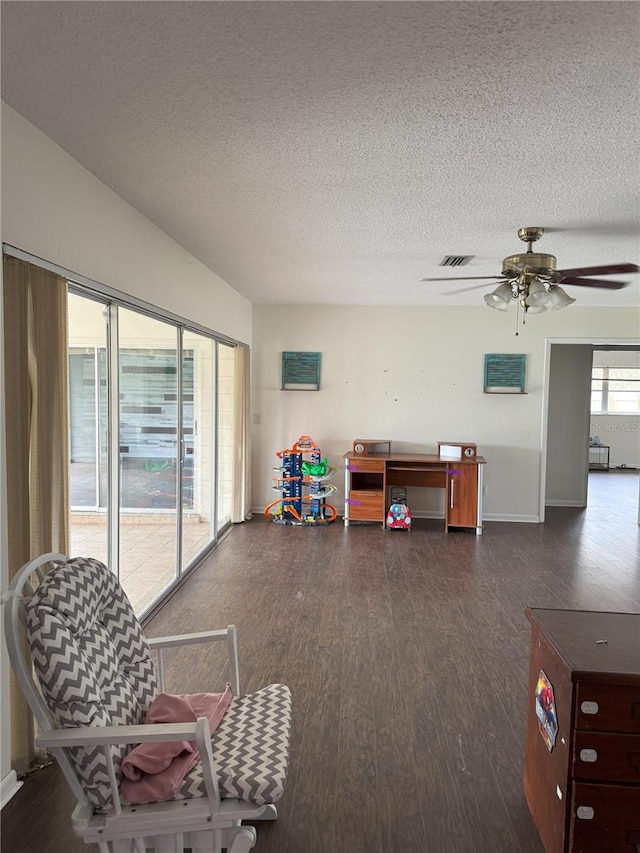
<point x="205" y="824"/>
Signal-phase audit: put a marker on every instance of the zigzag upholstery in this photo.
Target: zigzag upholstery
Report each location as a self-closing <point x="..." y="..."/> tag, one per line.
<point x="92" y="661"/>
<point x="251" y="748"/>
<point x="95" y="669"/>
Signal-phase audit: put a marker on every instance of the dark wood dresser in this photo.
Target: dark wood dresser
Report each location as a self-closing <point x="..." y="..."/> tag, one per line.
<point x="582" y="760"/>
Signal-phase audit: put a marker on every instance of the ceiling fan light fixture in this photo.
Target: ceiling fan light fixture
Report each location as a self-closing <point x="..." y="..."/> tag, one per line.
<point x="537" y="297"/>
<point x="500" y="298"/>
<point x="530" y="279"/>
<point x="534" y="309"/>
<point x="558" y="298"/>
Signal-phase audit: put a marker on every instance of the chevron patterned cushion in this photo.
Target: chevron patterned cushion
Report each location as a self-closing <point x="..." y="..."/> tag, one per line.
<point x="95" y="669"/>
<point x="92" y="660"/>
<point x="250" y="748"/>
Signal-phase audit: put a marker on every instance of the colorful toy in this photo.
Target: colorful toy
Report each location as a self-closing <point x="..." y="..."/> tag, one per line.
<point x="296" y="474"/>
<point x="399" y="515"/>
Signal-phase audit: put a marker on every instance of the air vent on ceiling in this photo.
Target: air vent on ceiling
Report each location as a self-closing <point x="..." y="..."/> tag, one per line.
<point x="456" y="260"/>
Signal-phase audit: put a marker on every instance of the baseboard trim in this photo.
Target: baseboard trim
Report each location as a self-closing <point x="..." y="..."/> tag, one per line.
<point x="571" y="503"/>
<point x="517" y="519"/>
<point x="8" y="787"/>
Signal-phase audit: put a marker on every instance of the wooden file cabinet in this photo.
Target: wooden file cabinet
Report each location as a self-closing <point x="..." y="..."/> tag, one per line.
<point x="366" y="489"/>
<point x="584" y="794"/>
<point x="462" y="496"/>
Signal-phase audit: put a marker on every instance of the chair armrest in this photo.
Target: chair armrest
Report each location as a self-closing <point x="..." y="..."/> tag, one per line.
<point x="96" y="735"/>
<point x="198" y="731"/>
<point x="229" y="634"/>
<point x="188" y="639"/>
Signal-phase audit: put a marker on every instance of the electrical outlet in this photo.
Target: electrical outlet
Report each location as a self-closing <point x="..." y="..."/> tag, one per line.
<point x="257" y="418"/>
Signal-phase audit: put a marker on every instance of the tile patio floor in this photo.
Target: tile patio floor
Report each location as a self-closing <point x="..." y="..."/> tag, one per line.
<point x="147" y="550"/>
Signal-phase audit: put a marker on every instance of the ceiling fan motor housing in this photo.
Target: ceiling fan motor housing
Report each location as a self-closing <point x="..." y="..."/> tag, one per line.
<point x="536" y="263"/>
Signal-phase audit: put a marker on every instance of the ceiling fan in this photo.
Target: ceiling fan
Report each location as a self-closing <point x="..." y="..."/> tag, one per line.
<point x="532" y="280"/>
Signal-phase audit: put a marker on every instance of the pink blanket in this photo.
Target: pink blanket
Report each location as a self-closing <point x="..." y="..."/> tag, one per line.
<point x="155" y="771"/>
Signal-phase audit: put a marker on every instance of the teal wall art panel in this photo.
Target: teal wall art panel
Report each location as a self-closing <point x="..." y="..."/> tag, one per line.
<point x="504" y="373"/>
<point x="301" y="371"/>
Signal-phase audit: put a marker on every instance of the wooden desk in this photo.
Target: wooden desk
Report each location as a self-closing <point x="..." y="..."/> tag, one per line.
<point x="367" y="479"/>
<point x="584" y="793"/>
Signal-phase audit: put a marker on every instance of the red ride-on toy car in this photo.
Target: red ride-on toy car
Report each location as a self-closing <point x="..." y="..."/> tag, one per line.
<point x="399" y="514"/>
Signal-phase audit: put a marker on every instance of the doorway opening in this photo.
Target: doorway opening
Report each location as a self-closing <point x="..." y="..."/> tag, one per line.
<point x="572" y="434"/>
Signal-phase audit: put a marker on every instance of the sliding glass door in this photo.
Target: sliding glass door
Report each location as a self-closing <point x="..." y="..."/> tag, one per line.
<point x="151" y="459"/>
<point x="226" y="433"/>
<point x="198" y="445"/>
<point x="87" y="330"/>
<point x="149" y="454"/>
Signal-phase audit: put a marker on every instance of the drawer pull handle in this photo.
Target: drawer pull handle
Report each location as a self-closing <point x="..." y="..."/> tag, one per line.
<point x="588" y="755"/>
<point x="588" y="707"/>
<point x="585" y="813"/>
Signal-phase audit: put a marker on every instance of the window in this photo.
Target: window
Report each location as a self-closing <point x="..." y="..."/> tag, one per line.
<point x="615" y="390"/>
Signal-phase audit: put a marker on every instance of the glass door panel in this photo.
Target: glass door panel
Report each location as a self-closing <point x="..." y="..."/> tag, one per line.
<point x="198" y="431"/>
<point x="87" y="333"/>
<point x="152" y="477"/>
<point x="149" y="455"/>
<point x="226" y="397"/>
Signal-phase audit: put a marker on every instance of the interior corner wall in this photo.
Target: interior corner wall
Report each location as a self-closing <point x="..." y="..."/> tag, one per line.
<point x="414" y="375"/>
<point x="53" y="208"/>
<point x="569" y="423"/>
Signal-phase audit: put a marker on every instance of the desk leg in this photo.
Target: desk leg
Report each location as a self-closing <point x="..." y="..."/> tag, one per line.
<point x="480" y="491"/>
<point x="347" y="487"/>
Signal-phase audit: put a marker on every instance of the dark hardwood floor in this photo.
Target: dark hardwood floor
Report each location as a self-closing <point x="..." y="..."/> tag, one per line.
<point x="407" y="658"/>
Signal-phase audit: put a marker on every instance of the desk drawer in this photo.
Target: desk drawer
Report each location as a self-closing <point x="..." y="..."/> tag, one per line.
<point x="606" y="757"/>
<point x="360" y="464"/>
<point x="608" y="708"/>
<point x="366" y="505"/>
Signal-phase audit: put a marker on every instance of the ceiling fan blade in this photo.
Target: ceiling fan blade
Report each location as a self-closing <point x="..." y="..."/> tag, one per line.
<point x="608" y="269"/>
<point x="464" y="289"/>
<point x="466" y="278"/>
<point x="594" y="282"/>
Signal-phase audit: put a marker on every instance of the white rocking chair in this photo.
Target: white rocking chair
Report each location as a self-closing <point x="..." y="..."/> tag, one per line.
<point x="96" y="681"/>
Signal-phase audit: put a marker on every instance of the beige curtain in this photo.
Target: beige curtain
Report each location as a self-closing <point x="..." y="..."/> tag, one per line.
<point x="241" y="504"/>
<point x="37" y="437"/>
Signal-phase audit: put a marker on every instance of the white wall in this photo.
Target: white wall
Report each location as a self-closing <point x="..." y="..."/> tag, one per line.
<point x="568" y="418"/>
<point x="622" y="434"/>
<point x="54" y="209"/>
<point x="413" y="375"/>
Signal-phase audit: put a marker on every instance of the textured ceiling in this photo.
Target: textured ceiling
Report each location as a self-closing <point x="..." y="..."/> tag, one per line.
<point x="335" y="152"/>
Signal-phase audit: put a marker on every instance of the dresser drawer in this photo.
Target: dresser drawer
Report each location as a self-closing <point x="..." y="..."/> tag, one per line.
<point x="604" y="818"/>
<point x="366" y="505"/>
<point x="605" y="757"/>
<point x="608" y="708"/>
<point x="360" y="464"/>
